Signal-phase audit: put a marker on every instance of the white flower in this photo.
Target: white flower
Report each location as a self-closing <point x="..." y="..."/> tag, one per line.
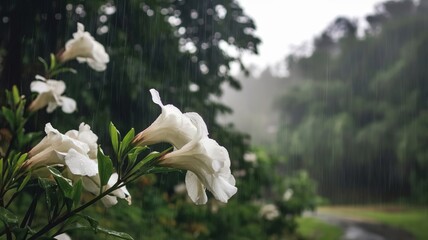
<point x="62" y="236"/>
<point x="85" y="48"/>
<point x="208" y="166"/>
<point x="77" y="151"/>
<point x="92" y="185"/>
<point x="250" y="157"/>
<point x="269" y="212"/>
<point x="50" y="92"/>
<point x="55" y="146"/>
<point x="288" y="194"/>
<point x="180" y="188"/>
<point x="171" y="126"/>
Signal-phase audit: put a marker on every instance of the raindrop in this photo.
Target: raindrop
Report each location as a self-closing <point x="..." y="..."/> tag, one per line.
<point x="222" y="69"/>
<point x="144" y="7"/>
<point x="150" y="12"/>
<point x="164" y="11"/>
<point x="58" y="16"/>
<point x="190" y="47"/>
<point x="210" y="11"/>
<point x="217" y="35"/>
<point x="204" y="68"/>
<point x="194" y="14"/>
<point x="79" y="9"/>
<point x="205" y="46"/>
<point x="109" y="9"/>
<point x="248" y="31"/>
<point x="221" y="11"/>
<point x="242" y="19"/>
<point x="69" y="7"/>
<point x="102" y="30"/>
<point x="174" y="21"/>
<point x="5" y="19"/>
<point x="182" y="31"/>
<point x="103" y="18"/>
<point x="193" y="87"/>
<point x="177" y="13"/>
<point x="231" y="40"/>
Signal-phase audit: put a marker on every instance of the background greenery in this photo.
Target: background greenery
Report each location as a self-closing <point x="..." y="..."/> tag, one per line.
<point x="352" y="114"/>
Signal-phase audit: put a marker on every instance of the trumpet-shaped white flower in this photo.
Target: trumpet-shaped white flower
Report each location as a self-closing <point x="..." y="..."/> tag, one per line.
<point x="50" y="92"/>
<point x="92" y="184"/>
<point x="288" y="194"/>
<point x="171" y="126"/>
<point x="208" y="166"/>
<point x="55" y="146"/>
<point x="85" y="48"/>
<point x="62" y="236"/>
<point x="269" y="212"/>
<point x="77" y="150"/>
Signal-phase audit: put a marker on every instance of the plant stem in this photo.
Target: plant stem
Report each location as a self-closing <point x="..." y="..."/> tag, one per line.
<point x="72" y="213"/>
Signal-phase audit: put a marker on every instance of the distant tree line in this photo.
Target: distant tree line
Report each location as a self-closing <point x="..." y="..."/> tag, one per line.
<point x="358" y="119"/>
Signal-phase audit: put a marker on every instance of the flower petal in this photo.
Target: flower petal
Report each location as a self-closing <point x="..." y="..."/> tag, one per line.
<point x="68" y="104"/>
<point x="51" y="107"/>
<point x="195" y="189"/>
<point x="155" y="97"/>
<point x="57" y="87"/>
<point x="80" y="164"/>
<point x="39" y="87"/>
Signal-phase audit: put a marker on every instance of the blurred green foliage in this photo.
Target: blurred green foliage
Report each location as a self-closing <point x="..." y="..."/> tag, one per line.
<point x="357" y="117"/>
<point x="180" y="48"/>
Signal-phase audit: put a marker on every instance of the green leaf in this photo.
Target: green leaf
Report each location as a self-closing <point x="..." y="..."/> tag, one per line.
<point x="126" y="141"/>
<point x="116" y="234"/>
<point x="18" y="163"/>
<point x="94" y="227"/>
<point x="114" y="137"/>
<point x="24" y="182"/>
<point x="7" y="216"/>
<point x="105" y="167"/>
<point x="149" y="158"/>
<point x="49" y="186"/>
<point x="163" y="170"/>
<point x="15" y="95"/>
<point x="133" y="154"/>
<point x="77" y="192"/>
<point x="53" y="62"/>
<point x="62" y="70"/>
<point x="9" y="116"/>
<point x="1" y="170"/>
<point x="64" y="184"/>
<point x="45" y="64"/>
<point x="92" y="222"/>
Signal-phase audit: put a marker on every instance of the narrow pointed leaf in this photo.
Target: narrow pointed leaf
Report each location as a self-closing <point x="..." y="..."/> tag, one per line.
<point x="53" y="62"/>
<point x="24" y="182"/>
<point x="64" y="184"/>
<point x="15" y="95"/>
<point x="116" y="234"/>
<point x="105" y="167"/>
<point x="7" y="216"/>
<point x="114" y="137"/>
<point x="9" y="116"/>
<point x="45" y="64"/>
<point x="126" y="141"/>
<point x="77" y="192"/>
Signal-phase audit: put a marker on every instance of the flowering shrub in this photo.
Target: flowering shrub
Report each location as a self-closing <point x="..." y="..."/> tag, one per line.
<point x="68" y="173"/>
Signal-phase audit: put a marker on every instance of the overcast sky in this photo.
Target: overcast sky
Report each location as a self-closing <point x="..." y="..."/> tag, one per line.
<point x="299" y="20"/>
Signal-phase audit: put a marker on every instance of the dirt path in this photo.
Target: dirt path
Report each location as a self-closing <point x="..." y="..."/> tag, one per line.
<point x="361" y="230"/>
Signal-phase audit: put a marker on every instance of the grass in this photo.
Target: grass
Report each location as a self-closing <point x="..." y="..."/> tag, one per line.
<point x="411" y="219"/>
<point x="314" y="229"/>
